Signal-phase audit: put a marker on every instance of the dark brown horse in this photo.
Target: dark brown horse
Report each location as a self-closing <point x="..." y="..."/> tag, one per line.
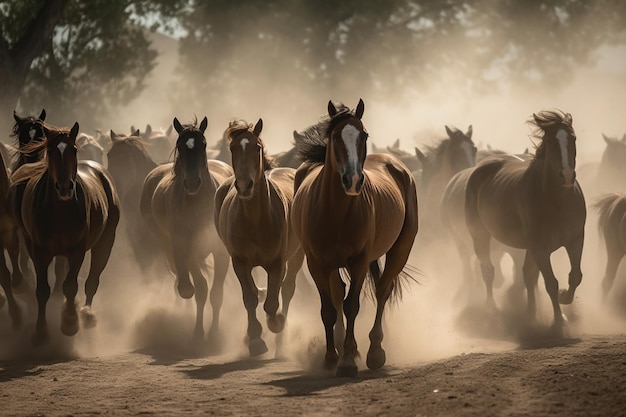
<point x="9" y="241"/>
<point x="252" y="215"/>
<point x="537" y="206"/>
<point x="349" y="210"/>
<point x="439" y="164"/>
<point x="612" y="226"/>
<point x="129" y="163"/>
<point x="65" y="208"/>
<point x="178" y="202"/>
<point x="26" y="130"/>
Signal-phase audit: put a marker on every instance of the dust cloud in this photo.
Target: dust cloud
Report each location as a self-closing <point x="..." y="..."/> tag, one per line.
<point x="140" y="310"/>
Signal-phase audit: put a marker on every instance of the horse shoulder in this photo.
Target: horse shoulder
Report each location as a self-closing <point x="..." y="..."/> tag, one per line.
<point x="282" y="180"/>
<point x="150" y="184"/>
<point x="220" y="202"/>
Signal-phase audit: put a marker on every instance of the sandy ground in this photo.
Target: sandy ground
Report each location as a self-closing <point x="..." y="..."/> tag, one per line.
<point x="447" y="355"/>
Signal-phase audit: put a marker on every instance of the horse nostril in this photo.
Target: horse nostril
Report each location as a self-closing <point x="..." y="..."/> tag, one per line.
<point x="345" y="180"/>
<point x="250" y="185"/>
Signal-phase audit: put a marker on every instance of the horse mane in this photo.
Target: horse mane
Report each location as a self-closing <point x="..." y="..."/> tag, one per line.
<point x="603" y="205"/>
<point x="542" y="122"/>
<point x="51" y="133"/>
<point x="238" y="126"/>
<point x="314" y="139"/>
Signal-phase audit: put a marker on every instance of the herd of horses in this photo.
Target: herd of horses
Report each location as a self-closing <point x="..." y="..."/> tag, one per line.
<point x="352" y="215"/>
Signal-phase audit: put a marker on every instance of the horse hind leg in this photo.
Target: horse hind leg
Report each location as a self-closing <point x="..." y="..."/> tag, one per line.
<point x="574" y="252"/>
<point x="614" y="258"/>
<point x="530" y="271"/>
<point x="221" y="260"/>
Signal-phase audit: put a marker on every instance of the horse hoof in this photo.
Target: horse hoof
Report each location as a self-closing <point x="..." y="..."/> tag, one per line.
<point x="88" y="318"/>
<point x="330" y="360"/>
<point x="186" y="291"/>
<point x="347" y="371"/>
<point x="565" y="297"/>
<point x="376" y="358"/>
<point x="276" y="324"/>
<point x="257" y="347"/>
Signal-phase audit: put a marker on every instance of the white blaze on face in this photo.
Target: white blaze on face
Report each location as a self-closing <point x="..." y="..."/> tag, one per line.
<point x="562" y="138"/>
<point x="191" y="142"/>
<point x="62" y="146"/>
<point x="243" y="143"/>
<point x="350" y="134"/>
<point x="32" y="133"/>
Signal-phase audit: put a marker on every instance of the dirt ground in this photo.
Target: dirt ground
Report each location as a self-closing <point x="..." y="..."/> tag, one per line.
<point x="447" y="355"/>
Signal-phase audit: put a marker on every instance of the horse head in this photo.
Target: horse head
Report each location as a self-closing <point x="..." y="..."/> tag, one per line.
<point x="248" y="155"/>
<point x="461" y="151"/>
<point x="191" y="158"/>
<point x="62" y="157"/>
<point x="558" y="145"/>
<point x="347" y="142"/>
<point x="29" y="129"/>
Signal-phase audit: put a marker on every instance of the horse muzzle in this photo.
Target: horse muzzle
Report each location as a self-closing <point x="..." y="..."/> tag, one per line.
<point x="352" y="184"/>
<point x="244" y="189"/>
<point x="192" y="186"/>
<point x="66" y="191"/>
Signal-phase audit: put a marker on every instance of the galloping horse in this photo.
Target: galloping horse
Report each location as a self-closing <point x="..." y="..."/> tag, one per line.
<point x="9" y="241"/>
<point x="537" y="206"/>
<point x="349" y="210"/>
<point x="129" y="163"/>
<point x="178" y="202"/>
<point x="439" y="164"/>
<point x="65" y="208"/>
<point x="252" y="216"/>
<point x="612" y="226"/>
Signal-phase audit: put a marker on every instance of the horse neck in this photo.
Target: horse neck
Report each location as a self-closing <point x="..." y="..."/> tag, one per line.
<point x="550" y="184"/>
<point x="260" y="203"/>
<point x="330" y="188"/>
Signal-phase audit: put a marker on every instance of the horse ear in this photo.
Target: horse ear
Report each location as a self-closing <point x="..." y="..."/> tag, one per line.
<point x="469" y="132"/>
<point x="17" y="118"/>
<point x="136" y="133"/>
<point x="42" y="116"/>
<point x="449" y="132"/>
<point x="297" y="136"/>
<point x="360" y="108"/>
<point x="132" y="129"/>
<point x="74" y="131"/>
<point x="168" y="132"/>
<point x="203" y="124"/>
<point x="332" y="110"/>
<point x="624" y="138"/>
<point x="420" y="155"/>
<point x="607" y="139"/>
<point x="148" y="130"/>
<point x="258" y="127"/>
<point x="114" y="137"/>
<point x="396" y="144"/>
<point x="569" y="119"/>
<point x="177" y="125"/>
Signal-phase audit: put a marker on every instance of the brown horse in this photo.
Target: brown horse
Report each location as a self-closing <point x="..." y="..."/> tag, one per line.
<point x="349" y="210"/>
<point x="178" y="202"/>
<point x="537" y="206"/>
<point x="129" y="163"/>
<point x="65" y="208"/>
<point x="26" y="130"/>
<point x="612" y="226"/>
<point x="252" y="216"/>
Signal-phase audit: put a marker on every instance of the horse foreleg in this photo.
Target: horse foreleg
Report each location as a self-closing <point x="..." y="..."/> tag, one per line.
<point x="328" y="311"/>
<point x="41" y="260"/>
<point x="288" y="289"/>
<point x="614" y="257"/>
<point x="202" y="289"/>
<point x="530" y="270"/>
<point x="337" y="295"/>
<point x="61" y="268"/>
<point x="69" y="315"/>
<point x="12" y="245"/>
<point x="351" y="305"/>
<point x="256" y="345"/>
<point x="221" y="260"/>
<point x="552" y="285"/>
<point x="574" y="252"/>
<point x="181" y="252"/>
<point x="5" y="282"/>
<point x="275" y="275"/>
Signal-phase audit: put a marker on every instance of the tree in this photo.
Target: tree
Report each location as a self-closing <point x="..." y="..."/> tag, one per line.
<point x="76" y="57"/>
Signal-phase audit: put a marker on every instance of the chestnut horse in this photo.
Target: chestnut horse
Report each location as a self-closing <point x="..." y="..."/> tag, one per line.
<point x="177" y="201"/>
<point x="349" y="210"/>
<point x="65" y="208"/>
<point x="252" y="216"/>
<point x="535" y="205"/>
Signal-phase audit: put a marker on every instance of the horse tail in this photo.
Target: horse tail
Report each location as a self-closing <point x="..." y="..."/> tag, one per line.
<point x="405" y="278"/>
<point x="603" y="205"/>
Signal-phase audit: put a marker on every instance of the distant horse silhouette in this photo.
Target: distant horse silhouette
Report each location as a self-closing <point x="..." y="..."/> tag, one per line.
<point x="65" y="208"/>
<point x="536" y="205"/>
<point x="252" y="216"/>
<point x="89" y="148"/>
<point x="612" y="227"/>
<point x="221" y="150"/>
<point x="349" y="210"/>
<point x="439" y="164"/>
<point x="158" y="143"/>
<point x="129" y="163"/>
<point x="410" y="159"/>
<point x="289" y="158"/>
<point x="178" y="202"/>
<point x="611" y="176"/>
